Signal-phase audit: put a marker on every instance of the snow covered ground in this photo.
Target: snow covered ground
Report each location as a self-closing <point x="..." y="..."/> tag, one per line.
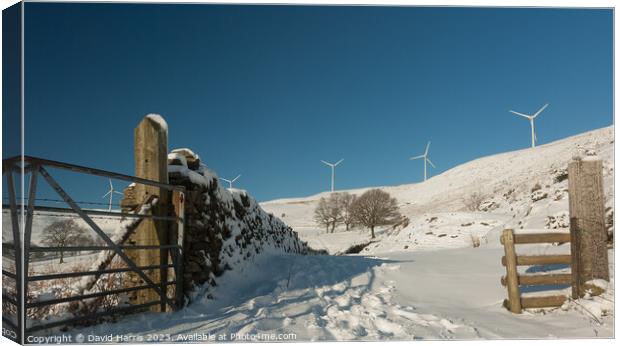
<point x="445" y="294"/>
<point x="423" y="281"/>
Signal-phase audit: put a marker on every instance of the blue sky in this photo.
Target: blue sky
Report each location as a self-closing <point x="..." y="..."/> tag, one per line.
<point x="269" y="91"/>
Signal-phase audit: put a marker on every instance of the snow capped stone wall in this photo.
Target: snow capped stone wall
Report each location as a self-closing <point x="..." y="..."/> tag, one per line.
<point x="223" y="227"/>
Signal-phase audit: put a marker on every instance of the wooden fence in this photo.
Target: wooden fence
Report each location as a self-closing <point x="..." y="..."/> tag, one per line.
<point x="513" y="280"/>
<point x="588" y="258"/>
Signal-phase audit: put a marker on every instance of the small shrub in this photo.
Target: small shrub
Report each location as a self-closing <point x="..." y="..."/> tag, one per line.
<point x="473" y="201"/>
<point x="560" y="176"/>
<point x="538" y="195"/>
<point x="357" y="248"/>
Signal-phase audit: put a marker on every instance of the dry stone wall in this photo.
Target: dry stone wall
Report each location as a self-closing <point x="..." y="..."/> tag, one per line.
<point x="223" y="227"/>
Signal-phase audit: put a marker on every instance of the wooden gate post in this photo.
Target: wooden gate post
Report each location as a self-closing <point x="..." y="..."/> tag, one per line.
<point x="178" y="202"/>
<point x="587" y="223"/>
<point x="512" y="278"/>
<point x="151" y="162"/>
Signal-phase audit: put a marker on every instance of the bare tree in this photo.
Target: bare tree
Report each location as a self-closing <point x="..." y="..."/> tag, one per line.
<point x="334" y="210"/>
<point x="63" y="233"/>
<point x="346" y="201"/>
<point x="321" y="214"/>
<point x="324" y="214"/>
<point x="375" y="208"/>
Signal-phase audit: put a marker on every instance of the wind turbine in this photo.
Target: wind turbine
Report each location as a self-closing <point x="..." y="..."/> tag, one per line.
<point x="230" y="182"/>
<point x="531" y="118"/>
<point x="425" y="157"/>
<point x="111" y="193"/>
<point x="333" y="166"/>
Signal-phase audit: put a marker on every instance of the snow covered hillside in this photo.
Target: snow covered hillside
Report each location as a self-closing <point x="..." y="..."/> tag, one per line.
<point x="521" y="189"/>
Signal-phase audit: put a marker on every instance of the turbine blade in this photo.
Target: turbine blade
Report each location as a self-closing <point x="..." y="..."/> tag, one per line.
<point x="427" y="146"/>
<point x="106" y="194"/>
<point x="337" y="163"/>
<point x="521" y="114"/>
<point x="540" y="110"/>
<point x="120" y="193"/>
<point x="327" y="163"/>
<point x="226" y="180"/>
<point x="111" y="187"/>
<point x="237" y="177"/>
<point x="416" y="157"/>
<point x="429" y="161"/>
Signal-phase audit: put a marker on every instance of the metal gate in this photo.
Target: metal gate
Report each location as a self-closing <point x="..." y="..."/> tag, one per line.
<point x="21" y="250"/>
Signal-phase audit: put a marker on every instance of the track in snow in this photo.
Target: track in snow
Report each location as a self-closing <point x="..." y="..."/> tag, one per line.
<point x="315" y="297"/>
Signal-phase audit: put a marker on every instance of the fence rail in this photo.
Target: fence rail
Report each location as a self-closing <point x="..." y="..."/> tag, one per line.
<point x="540" y="260"/>
<point x="545" y="279"/>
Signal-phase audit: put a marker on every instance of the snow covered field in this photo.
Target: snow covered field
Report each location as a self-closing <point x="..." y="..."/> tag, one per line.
<point x="422" y="281"/>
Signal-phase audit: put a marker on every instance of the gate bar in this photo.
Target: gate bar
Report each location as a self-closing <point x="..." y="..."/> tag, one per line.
<point x="101" y="173"/>
<point x="32" y="193"/>
<point x="91" y="316"/>
<point x="89" y="296"/>
<point x="100" y="212"/>
<point x="94" y="272"/>
<point x="98" y="248"/>
<point x="19" y="270"/>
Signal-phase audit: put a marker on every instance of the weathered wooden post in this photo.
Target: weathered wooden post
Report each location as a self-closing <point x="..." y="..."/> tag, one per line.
<point x="151" y="160"/>
<point x="512" y="278"/>
<point x="587" y="223"/>
<point x="178" y="202"/>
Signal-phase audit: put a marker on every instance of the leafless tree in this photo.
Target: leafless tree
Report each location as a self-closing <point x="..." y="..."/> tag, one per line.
<point x="327" y="213"/>
<point x="63" y="233"/>
<point x="375" y="208"/>
<point x="346" y="200"/>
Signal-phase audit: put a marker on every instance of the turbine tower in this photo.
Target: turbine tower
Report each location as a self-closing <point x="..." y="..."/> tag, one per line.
<point x="230" y="182"/>
<point x="333" y="166"/>
<point x="425" y="157"/>
<point x="111" y="193"/>
<point x="531" y="119"/>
